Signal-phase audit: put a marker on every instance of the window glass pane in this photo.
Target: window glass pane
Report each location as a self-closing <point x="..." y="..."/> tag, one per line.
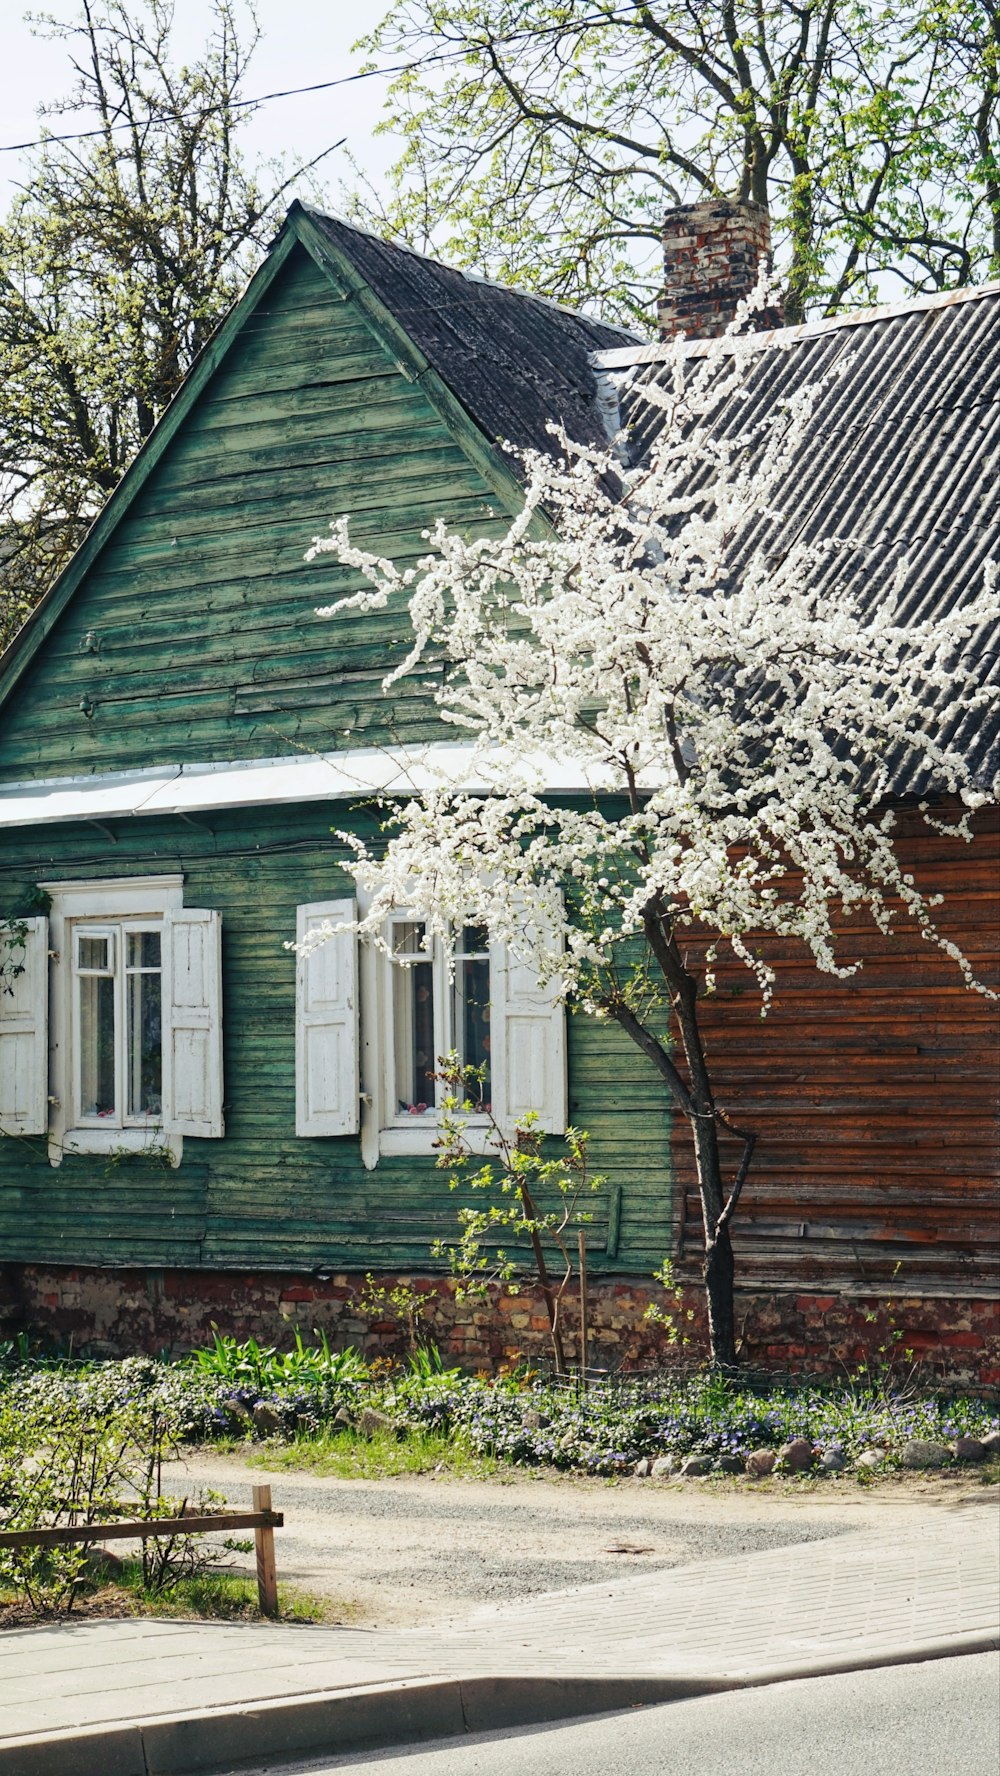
<point x="407" y="937"/>
<point x="97" y="1041"/>
<point x="473" y="941"/>
<point x="94" y="952"/>
<point x="415" y="1052"/>
<point x="143" y="949"/>
<point x="471" y="1014"/>
<point x="144" y="1055"/>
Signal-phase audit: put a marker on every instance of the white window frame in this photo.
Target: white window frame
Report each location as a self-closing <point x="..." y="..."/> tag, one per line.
<point x="120" y="904"/>
<point x="117" y="932"/>
<point x="399" y="1132"/>
<point x="384" y="1132"/>
<point x="527" y="1049"/>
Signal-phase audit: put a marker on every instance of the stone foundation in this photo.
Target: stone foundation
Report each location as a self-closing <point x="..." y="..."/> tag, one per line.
<point x="115" y="1312"/>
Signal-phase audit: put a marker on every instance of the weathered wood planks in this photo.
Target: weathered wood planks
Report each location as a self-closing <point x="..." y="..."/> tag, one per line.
<point x="876" y="1100"/>
<point x="307" y="415"/>
<point x="261" y="1198"/>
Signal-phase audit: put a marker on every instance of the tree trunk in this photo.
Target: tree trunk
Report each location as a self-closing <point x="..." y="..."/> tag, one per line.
<point x="719" y="1270"/>
<point x="719" y="1267"/>
<point x="552" y="1301"/>
<point x="694" y="1097"/>
<point x="698" y="1105"/>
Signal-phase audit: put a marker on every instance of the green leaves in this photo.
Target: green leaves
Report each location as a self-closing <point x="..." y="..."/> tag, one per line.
<point x="70" y="1459"/>
<point x="263" y="1368"/>
<point x="534" y="1196"/>
<point x="117" y="261"/>
<point x="542" y="143"/>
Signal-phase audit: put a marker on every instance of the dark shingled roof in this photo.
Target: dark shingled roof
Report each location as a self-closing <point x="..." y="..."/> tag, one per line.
<point x="516" y="362"/>
<point x="900" y="461"/>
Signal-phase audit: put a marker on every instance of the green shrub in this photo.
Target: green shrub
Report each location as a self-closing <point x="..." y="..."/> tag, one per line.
<point x="314" y="1394"/>
<point x="69" y="1460"/>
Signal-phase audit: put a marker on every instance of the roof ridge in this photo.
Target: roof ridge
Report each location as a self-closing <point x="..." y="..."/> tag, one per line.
<point x="472" y="277"/>
<point x="614" y="358"/>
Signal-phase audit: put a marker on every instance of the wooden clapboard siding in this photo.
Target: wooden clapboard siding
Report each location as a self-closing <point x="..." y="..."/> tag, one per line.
<point x="187" y="628"/>
<point x="201" y="606"/>
<point x="875" y="1099"/>
<point x="260" y="1197"/>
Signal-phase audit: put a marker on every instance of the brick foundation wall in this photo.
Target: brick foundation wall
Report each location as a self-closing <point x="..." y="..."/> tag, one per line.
<point x="11" y="1304"/>
<point x="115" y="1312"/>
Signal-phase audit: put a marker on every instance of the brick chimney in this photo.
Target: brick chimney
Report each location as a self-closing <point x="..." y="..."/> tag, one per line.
<point x="712" y="257"/>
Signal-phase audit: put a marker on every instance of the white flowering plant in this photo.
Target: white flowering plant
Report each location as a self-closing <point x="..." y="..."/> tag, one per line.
<point x="720" y="711"/>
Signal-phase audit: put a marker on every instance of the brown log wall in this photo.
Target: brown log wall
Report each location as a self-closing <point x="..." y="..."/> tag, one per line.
<point x="875" y="1099"/>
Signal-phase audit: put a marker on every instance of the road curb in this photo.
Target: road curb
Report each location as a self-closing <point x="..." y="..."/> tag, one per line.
<point x="403" y="1712"/>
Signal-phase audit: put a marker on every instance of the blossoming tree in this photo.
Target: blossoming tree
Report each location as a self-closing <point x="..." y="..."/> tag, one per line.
<point x="656" y="636"/>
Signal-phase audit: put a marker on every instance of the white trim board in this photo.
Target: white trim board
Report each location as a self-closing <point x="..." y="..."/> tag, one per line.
<point x="316" y="777"/>
<point x="657" y="351"/>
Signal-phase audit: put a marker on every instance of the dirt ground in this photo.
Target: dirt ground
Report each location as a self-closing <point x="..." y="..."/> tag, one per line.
<point x="411" y="1550"/>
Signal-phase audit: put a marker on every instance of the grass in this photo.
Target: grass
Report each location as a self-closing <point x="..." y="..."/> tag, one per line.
<point x="348" y="1456"/>
<point x="219" y="1595"/>
<point x="222" y="1595"/>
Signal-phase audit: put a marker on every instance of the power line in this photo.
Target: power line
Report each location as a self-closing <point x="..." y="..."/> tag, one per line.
<point x="290" y="92"/>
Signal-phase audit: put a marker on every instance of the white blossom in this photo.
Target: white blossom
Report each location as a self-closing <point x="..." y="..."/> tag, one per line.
<point x="741" y="707"/>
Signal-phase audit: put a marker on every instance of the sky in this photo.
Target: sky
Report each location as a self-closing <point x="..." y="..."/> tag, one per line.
<point x="304" y="41"/>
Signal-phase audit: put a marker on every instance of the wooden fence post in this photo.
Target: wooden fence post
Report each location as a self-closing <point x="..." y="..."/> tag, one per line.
<point x="267" y="1575"/>
<point x="584" y="1328"/>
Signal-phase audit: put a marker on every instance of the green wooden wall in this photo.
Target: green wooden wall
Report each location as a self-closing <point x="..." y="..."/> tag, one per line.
<point x="261" y="1197"/>
<point x="194" y="635"/>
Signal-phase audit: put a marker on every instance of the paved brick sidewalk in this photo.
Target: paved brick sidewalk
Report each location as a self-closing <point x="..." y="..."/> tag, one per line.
<point x="819" y="1600"/>
<point x="864" y="1598"/>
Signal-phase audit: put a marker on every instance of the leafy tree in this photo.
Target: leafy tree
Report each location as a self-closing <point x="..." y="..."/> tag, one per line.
<point x="117" y="260"/>
<point x="514" y="1183"/>
<point x="727" y="692"/>
<point x="543" y="141"/>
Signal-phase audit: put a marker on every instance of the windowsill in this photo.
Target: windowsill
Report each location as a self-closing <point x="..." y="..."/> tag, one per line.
<point x="423" y="1136"/>
<point x="127" y="1140"/>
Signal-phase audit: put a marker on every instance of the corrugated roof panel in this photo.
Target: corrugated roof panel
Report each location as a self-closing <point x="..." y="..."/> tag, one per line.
<point x="901" y="462"/>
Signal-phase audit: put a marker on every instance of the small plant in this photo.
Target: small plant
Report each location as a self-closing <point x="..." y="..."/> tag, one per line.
<point x="263" y="1370"/>
<point x="156" y="1152"/>
<point x="890" y="1370"/>
<point x="246" y="1364"/>
<point x="13" y="945"/>
<point x="426" y="1364"/>
<point x="666" y="1318"/>
<point x="514" y="1185"/>
<point x="398" y="1301"/>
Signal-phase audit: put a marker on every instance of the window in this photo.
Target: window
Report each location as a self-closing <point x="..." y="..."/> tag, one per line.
<point x="434" y="1011"/>
<point x="371" y="1026"/>
<point x="415" y="1044"/>
<point x="118" y="1027"/>
<point x="132" y="1054"/>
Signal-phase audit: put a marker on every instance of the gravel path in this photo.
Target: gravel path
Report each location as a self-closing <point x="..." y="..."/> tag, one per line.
<point x="413" y="1550"/>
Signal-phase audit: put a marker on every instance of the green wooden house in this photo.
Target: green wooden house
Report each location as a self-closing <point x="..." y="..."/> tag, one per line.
<point x="173" y="1096"/>
<point x="195" y="1125"/>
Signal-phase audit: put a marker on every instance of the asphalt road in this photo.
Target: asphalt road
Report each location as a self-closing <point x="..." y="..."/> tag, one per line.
<point x="900" y="1721"/>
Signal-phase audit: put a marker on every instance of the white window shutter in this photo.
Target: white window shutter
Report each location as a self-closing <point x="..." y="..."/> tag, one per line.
<point x="528" y="1037"/>
<point x="192" y="1023"/>
<point x="327" y="1068"/>
<point x="24" y="1035"/>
